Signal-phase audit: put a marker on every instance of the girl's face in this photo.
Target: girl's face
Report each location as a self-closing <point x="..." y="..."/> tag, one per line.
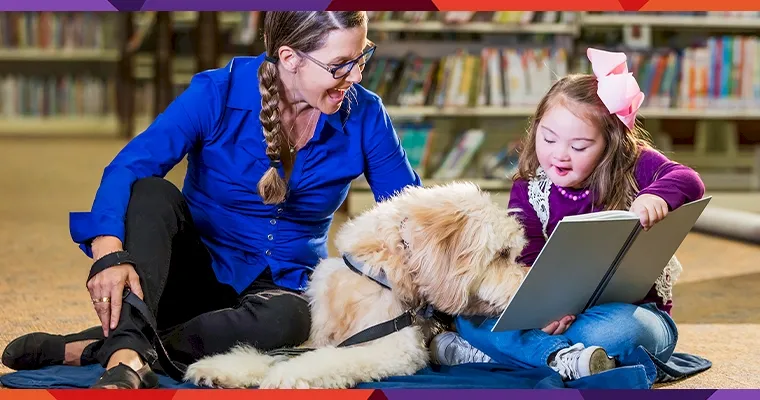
<point x="319" y="87"/>
<point x="568" y="148"/>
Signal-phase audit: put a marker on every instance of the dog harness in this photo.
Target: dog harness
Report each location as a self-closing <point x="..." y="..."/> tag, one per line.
<point x="358" y="267"/>
<point x="406" y="319"/>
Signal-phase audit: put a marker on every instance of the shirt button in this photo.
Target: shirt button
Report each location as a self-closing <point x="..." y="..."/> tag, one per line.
<point x="270" y="236"/>
<point x="272" y="221"/>
<point x="279" y="210"/>
<point x="268" y="252"/>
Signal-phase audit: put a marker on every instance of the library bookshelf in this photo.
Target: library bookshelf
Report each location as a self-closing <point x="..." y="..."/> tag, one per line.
<point x="447" y="79"/>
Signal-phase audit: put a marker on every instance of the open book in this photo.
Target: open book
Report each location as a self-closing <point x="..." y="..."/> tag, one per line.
<point x="593" y="259"/>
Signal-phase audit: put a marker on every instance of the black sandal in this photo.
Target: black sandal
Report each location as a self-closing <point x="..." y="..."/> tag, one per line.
<point x="39" y="349"/>
<point x="124" y="377"/>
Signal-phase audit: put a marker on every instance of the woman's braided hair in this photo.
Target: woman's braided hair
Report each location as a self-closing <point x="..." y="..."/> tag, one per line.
<point x="305" y="32"/>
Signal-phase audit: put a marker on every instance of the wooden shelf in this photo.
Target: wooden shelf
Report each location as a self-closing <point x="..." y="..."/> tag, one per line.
<point x="459" y="112"/>
<point x="63" y="55"/>
<point x="183" y="67"/>
<point x="106" y="126"/>
<point x="669" y="21"/>
<point x="227" y="19"/>
<point x="526" y="111"/>
<point x="485" y="184"/>
<point x="472" y="27"/>
<point x="700" y="113"/>
<point x="187" y="19"/>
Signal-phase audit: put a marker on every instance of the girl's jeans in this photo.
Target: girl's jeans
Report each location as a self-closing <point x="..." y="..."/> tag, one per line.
<point x="616" y="327"/>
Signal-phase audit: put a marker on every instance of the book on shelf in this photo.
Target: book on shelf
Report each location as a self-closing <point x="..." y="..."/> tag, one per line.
<point x="503" y="164"/>
<point x="417" y="140"/>
<point x="711" y="14"/>
<point x="734" y="14"/>
<point x="497" y="77"/>
<point x="596" y="258"/>
<point x="46" y="30"/>
<point x="723" y="73"/>
<point x="463" y="17"/>
<point x="460" y="156"/>
<point x="56" y="95"/>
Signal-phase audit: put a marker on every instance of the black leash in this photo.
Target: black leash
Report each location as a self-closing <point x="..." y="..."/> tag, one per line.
<point x="173" y="369"/>
<point x="367" y="335"/>
<point x="177" y="370"/>
<point x="374" y="332"/>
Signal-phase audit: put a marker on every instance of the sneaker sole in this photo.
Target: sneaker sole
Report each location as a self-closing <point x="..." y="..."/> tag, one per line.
<point x="600" y="362"/>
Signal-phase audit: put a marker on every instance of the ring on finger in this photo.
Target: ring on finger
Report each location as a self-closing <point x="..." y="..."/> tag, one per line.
<point x="101" y="300"/>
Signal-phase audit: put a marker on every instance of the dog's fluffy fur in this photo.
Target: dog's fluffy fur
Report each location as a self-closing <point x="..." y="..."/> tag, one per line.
<point x="460" y="258"/>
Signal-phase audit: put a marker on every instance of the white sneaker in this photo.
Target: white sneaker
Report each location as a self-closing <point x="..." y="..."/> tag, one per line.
<point x="448" y="348"/>
<point x="578" y="361"/>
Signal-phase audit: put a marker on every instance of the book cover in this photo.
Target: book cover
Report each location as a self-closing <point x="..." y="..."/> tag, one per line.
<point x="593" y="259"/>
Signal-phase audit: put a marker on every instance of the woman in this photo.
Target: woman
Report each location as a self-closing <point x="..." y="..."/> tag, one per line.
<point x="273" y="143"/>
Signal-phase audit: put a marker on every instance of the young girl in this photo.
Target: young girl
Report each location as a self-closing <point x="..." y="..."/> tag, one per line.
<point x="584" y="153"/>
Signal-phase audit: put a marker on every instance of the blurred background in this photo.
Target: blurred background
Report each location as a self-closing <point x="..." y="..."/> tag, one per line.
<point x="459" y="86"/>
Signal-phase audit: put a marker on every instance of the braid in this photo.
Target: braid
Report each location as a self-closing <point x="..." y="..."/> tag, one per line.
<point x="272" y="188"/>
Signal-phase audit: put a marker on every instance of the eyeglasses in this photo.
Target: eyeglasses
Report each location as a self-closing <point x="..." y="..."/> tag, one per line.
<point x="341" y="70"/>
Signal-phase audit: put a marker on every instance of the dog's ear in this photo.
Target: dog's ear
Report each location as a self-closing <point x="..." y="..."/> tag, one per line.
<point x="440" y="254"/>
<point x="374" y="238"/>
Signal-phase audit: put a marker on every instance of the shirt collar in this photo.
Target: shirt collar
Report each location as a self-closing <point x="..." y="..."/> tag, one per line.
<point x="244" y="90"/>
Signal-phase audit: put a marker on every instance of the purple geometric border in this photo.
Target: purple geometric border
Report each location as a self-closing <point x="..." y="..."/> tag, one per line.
<point x="521" y="394"/>
<point x="56" y="5"/>
<point x="662" y="394"/>
<point x="164" y="5"/>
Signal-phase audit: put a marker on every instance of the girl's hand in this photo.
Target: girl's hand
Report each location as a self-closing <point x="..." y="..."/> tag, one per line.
<point x="651" y="209"/>
<point x="559" y="327"/>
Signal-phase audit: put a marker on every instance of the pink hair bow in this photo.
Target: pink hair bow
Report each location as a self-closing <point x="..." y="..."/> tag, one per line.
<point x="617" y="88"/>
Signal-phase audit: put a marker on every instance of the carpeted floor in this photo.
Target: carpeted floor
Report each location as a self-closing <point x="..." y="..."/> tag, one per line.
<point x="43" y="272"/>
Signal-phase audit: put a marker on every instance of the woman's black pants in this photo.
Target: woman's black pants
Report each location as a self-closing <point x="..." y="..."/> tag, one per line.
<point x="195" y="315"/>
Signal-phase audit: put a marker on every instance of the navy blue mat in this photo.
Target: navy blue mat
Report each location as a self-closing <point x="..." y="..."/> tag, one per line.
<point x="481" y="376"/>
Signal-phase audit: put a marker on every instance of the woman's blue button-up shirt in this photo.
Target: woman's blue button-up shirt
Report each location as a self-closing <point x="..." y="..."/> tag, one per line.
<point x="215" y="123"/>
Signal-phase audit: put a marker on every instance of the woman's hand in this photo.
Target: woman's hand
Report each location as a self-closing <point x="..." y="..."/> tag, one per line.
<point x="110" y="284"/>
<point x="559" y="327"/>
<point x="651" y="209"/>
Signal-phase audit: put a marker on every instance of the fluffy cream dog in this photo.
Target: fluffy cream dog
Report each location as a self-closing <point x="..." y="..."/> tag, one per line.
<point x="448" y="246"/>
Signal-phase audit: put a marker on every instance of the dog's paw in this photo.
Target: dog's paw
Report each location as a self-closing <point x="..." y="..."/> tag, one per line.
<point x="283" y="380"/>
<point x="213" y="372"/>
<point x="290" y="376"/>
<point x="241" y="368"/>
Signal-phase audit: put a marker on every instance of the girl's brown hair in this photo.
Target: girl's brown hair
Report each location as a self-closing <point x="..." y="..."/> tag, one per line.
<point x="305" y="32"/>
<point x="612" y="184"/>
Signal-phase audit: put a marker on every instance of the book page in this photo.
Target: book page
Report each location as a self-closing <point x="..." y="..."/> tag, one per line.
<point x="603" y="216"/>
